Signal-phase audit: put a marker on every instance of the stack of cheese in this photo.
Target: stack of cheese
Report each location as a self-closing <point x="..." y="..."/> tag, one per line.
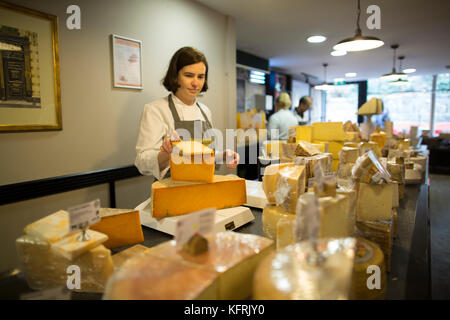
<point x="347" y="159"/>
<point x="48" y="248"/>
<point x="379" y="137"/>
<point x="331" y="133"/>
<point x="193" y="185"/>
<point x="397" y="170"/>
<point x="351" y="132"/>
<point x="367" y="146"/>
<point x="375" y="203"/>
<point x="167" y="272"/>
<point x="283" y="184"/>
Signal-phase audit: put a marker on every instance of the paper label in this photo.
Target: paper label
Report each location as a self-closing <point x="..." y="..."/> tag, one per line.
<point x="201" y="222"/>
<point x="84" y="215"/>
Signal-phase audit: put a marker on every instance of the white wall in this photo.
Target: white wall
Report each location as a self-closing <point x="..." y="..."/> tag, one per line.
<point x="100" y="123"/>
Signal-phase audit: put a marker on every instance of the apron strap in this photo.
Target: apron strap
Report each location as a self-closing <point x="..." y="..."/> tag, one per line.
<point x="175" y="115"/>
<point x="208" y="124"/>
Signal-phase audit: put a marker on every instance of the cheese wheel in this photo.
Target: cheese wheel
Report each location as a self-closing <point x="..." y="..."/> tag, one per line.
<point x="367" y="254"/>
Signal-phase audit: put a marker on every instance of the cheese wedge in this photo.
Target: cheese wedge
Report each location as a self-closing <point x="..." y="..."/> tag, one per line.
<point x="44" y="269"/>
<point x="334" y="217"/>
<point x="379" y="138"/>
<point x="122" y="226"/>
<point x="334" y="147"/>
<point x="328" y="131"/>
<point x="51" y="228"/>
<point x="271" y="216"/>
<point x="192" y="161"/>
<point x="325" y="159"/>
<point x="70" y="247"/>
<point x="306" y="149"/>
<point x="173" y="198"/>
<point x="349" y="155"/>
<point x="366" y="146"/>
<point x="165" y="272"/>
<point x="303" y="133"/>
<point x="374" y="202"/>
<point x="350" y="136"/>
<point x="323" y="146"/>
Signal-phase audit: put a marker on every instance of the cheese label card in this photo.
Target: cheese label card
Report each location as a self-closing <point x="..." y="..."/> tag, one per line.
<point x="200" y="222"/>
<point x="84" y="215"/>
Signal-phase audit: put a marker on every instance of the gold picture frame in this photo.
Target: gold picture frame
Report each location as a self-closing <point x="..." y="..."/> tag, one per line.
<point x="30" y="93"/>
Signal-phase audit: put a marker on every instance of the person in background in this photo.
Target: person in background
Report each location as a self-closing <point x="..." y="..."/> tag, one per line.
<point x="303" y="106"/>
<point x="283" y="118"/>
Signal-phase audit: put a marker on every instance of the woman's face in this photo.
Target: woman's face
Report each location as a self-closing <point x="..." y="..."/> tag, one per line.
<point x="191" y="80"/>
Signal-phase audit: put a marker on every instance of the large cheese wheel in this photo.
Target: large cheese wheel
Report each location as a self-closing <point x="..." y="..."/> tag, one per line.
<point x="367" y="254"/>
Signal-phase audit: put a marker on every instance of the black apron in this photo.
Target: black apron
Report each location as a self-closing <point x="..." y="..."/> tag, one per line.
<point x="190" y="125"/>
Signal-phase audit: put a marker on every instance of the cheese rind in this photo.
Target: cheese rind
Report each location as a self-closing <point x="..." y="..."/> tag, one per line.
<point x="173" y="198"/>
<point x="192" y="161"/>
<point x="122" y="226"/>
<point x="51" y="228"/>
<point x="44" y="269"/>
<point x="70" y="247"/>
<point x="374" y="202"/>
<point x="328" y="131"/>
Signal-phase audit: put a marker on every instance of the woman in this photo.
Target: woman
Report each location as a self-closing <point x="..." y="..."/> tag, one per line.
<point x="283" y="118"/>
<point x="186" y="78"/>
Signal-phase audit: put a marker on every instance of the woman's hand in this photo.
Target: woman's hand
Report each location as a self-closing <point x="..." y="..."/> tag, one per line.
<point x="231" y="158"/>
<point x="166" y="149"/>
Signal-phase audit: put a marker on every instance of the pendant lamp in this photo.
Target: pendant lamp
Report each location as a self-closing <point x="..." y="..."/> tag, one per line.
<point x="358" y="42"/>
<point x="400" y="81"/>
<point x="324" y="85"/>
<point x="394" y="75"/>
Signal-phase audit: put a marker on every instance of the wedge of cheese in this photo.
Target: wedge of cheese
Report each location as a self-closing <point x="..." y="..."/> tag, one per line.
<point x="270" y="179"/>
<point x="366" y="146"/>
<point x="192" y="161"/>
<point x="173" y="198"/>
<point x="349" y="155"/>
<point x="165" y="272"/>
<point x="122" y="226"/>
<point x="44" y="269"/>
<point x="334" y="147"/>
<point x="303" y="133"/>
<point x="379" y="138"/>
<point x="325" y="159"/>
<point x="374" y="202"/>
<point x="271" y="216"/>
<point x="322" y="146"/>
<point x="71" y="247"/>
<point x="350" y="136"/>
<point x="306" y="149"/>
<point x="334" y="217"/>
<point x="328" y="131"/>
<point x="51" y="228"/>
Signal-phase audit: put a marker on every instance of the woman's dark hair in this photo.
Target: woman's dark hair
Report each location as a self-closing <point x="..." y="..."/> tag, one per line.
<point x="183" y="57"/>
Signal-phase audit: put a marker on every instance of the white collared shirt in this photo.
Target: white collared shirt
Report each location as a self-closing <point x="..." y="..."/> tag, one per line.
<point x="156" y="124"/>
<point x="282" y="120"/>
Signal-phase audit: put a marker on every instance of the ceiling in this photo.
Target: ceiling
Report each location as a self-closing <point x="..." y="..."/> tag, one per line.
<point x="277" y="30"/>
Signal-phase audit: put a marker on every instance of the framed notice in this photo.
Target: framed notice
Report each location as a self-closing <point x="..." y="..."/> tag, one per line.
<point x="30" y="96"/>
<point x="127" y="62"/>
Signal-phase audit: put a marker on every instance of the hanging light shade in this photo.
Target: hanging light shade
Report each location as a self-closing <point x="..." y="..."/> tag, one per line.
<point x="324" y="86"/>
<point x="394" y="75"/>
<point x="403" y="79"/>
<point x="358" y="42"/>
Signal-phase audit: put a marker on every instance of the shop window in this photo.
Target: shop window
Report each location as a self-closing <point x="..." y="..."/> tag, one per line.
<point x="342" y="103"/>
<point x="442" y="104"/>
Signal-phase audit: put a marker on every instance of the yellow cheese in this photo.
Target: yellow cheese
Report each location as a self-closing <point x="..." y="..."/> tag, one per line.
<point x="306" y="149"/>
<point x="323" y="146"/>
<point x="374" y="202"/>
<point x="334" y="217"/>
<point x="122" y="226"/>
<point x="288" y="150"/>
<point x="328" y="131"/>
<point x="325" y="159"/>
<point x="70" y="247"/>
<point x="285" y="233"/>
<point x="395" y="195"/>
<point x="335" y="165"/>
<point x="351" y="202"/>
<point x="51" y="228"/>
<point x="270" y="217"/>
<point x="379" y="138"/>
<point x="350" y="136"/>
<point x="122" y="256"/>
<point x="366" y="146"/>
<point x="379" y="232"/>
<point x="291" y="183"/>
<point x="44" y="269"/>
<point x="288" y="274"/>
<point x="304" y="133"/>
<point x="173" y="198"/>
<point x="397" y="171"/>
<point x="349" y="155"/>
<point x="192" y="161"/>
<point x="274" y="148"/>
<point x="367" y="254"/>
<point x="270" y="179"/>
<point x="351" y="144"/>
<point x="225" y="271"/>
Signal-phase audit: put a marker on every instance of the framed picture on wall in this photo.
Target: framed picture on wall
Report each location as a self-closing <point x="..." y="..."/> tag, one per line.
<point x="30" y="94"/>
<point x="127" y="62"/>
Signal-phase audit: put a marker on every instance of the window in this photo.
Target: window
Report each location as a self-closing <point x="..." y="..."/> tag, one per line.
<point x="442" y="104"/>
<point x="406" y="105"/>
<point x="342" y="103"/>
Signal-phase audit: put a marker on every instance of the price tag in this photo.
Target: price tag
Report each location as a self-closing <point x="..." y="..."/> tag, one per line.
<point x="84" y="215"/>
<point x="201" y="222"/>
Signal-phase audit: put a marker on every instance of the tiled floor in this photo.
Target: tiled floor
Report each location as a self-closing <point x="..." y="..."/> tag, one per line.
<point x="440" y="235"/>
